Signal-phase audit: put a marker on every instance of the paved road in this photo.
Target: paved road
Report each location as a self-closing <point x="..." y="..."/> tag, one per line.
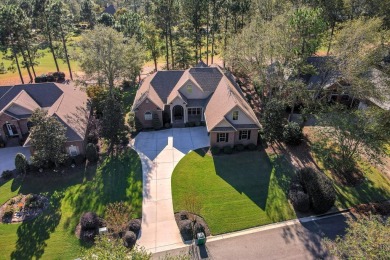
<point x="294" y="241"/>
<point x="160" y="151"/>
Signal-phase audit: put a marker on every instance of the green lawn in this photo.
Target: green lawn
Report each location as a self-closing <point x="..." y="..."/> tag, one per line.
<point x="51" y="235"/>
<point x="237" y="191"/>
<point x="376" y="187"/>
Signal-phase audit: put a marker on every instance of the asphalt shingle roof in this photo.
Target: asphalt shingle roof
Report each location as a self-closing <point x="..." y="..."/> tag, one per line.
<point x="207" y="78"/>
<point x="164" y="81"/>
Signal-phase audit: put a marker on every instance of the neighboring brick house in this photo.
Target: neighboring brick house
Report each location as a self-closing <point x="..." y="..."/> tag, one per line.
<point x="199" y="94"/>
<point x="66" y="102"/>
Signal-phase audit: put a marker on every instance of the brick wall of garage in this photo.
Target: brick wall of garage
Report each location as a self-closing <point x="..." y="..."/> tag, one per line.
<point x="251" y="140"/>
<point x="213" y="140"/>
<point x="145" y="106"/>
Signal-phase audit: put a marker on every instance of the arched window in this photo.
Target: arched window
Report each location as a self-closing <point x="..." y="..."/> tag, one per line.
<point x="148" y="115"/>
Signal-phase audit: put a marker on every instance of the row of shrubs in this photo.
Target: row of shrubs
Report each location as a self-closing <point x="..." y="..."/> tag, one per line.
<point x="50" y="77"/>
<point x="229" y="150"/>
<point x="90" y="223"/>
<point x="194" y="124"/>
<point x="312" y="190"/>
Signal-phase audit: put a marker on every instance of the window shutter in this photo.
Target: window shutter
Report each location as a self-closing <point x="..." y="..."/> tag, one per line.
<point x="249" y="134"/>
<point x="227" y="137"/>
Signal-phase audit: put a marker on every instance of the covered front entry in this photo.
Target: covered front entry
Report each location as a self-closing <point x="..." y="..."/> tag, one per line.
<point x="10" y="130"/>
<point x="178" y="114"/>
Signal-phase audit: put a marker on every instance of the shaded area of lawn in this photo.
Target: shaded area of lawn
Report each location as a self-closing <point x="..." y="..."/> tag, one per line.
<point x="51" y="235"/>
<point x="375" y="187"/>
<point x="237" y="191"/>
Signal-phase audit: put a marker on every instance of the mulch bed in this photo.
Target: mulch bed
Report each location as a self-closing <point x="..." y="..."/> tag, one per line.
<point x="23" y="212"/>
<point x="199" y="220"/>
<point x="374" y="208"/>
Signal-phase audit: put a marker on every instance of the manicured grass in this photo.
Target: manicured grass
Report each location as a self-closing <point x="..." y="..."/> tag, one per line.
<point x="51" y="235"/>
<point x="237" y="191"/>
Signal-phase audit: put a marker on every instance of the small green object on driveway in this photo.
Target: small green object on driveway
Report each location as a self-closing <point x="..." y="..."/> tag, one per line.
<point x="200" y="238"/>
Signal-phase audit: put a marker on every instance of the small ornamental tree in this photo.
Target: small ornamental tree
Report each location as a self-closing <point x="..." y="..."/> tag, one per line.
<point x="21" y="163"/>
<point x="273" y="121"/>
<point x="91" y="153"/>
<point x="47" y="139"/>
<point x="156" y="122"/>
<point x="118" y="216"/>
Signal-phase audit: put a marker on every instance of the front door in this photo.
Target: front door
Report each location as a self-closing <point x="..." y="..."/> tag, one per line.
<point x="11" y="129"/>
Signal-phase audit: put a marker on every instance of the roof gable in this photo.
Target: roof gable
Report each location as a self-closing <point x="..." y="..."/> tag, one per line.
<point x="163" y="83"/>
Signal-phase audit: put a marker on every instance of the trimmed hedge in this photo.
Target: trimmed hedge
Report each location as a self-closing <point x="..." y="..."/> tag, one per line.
<point x="319" y="188"/>
<point x="129" y="239"/>
<point x="251" y="147"/>
<point x="89" y="220"/>
<point x="215" y="150"/>
<point x="228" y="149"/>
<point x="7" y="174"/>
<point x="292" y="134"/>
<point x="239" y="147"/>
<point x="91" y="153"/>
<point x="300" y="200"/>
<point x="135" y="226"/>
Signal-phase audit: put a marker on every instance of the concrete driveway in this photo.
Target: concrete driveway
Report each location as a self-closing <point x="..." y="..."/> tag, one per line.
<point x="160" y="151"/>
<point x="7" y="157"/>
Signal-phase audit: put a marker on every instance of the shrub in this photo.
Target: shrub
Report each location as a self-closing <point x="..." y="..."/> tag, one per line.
<point x="89" y="220"/>
<point x="292" y="134"/>
<point x="129" y="239"/>
<point x="92" y="138"/>
<point x="215" y="150"/>
<point x="7" y="174"/>
<point x="183" y="215"/>
<point x="228" y="149"/>
<point x="198" y="228"/>
<point x="21" y="163"/>
<point x="197" y="123"/>
<point x="135" y="226"/>
<point x="319" y="188"/>
<point x="156" y="122"/>
<point x="251" y="147"/>
<point x="167" y="125"/>
<point x="91" y="153"/>
<point x="88" y="234"/>
<point x="300" y="200"/>
<point x="8" y="212"/>
<point x="2" y="143"/>
<point x="30" y="198"/>
<point x="68" y="161"/>
<point x="239" y="147"/>
<point x="185" y="227"/>
<point x="79" y="159"/>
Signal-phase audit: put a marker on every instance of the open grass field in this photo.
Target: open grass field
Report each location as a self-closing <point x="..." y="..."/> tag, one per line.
<point x="51" y="235"/>
<point x="236" y="191"/>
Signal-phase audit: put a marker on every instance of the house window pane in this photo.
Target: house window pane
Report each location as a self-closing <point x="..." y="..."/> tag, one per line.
<point x="222" y="137"/>
<point x="244" y="135"/>
<point x="235" y="115"/>
<point x="148" y="116"/>
<point x="73" y="150"/>
<point x="189" y="88"/>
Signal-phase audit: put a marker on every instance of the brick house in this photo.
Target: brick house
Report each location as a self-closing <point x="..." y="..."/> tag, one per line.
<point x="64" y="101"/>
<point x="202" y="94"/>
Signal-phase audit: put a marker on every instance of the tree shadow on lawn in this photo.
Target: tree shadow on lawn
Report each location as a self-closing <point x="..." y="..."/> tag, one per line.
<point x="119" y="178"/>
<point x="263" y="179"/>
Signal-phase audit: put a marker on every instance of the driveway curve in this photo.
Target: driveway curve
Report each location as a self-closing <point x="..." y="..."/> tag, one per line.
<point x="160" y="151"/>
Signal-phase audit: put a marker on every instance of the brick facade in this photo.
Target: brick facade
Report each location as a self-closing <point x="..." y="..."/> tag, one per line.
<point x="233" y="139"/>
<point x="148" y="106"/>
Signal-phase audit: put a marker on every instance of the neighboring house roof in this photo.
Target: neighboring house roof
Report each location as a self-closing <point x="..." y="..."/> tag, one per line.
<point x="221" y="93"/>
<point x="67" y="102"/>
<point x="110" y="10"/>
<point x="381" y="83"/>
<point x="325" y="76"/>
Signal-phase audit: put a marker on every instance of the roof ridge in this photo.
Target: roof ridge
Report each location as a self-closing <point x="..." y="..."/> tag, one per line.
<point x="62" y="98"/>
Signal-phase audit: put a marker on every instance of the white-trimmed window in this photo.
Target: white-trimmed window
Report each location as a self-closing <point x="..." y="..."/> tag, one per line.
<point x="73" y="150"/>
<point x="194" y="111"/>
<point x="222" y="137"/>
<point x="235" y="115"/>
<point x="189" y="89"/>
<point x="244" y="135"/>
<point x="148" y="115"/>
